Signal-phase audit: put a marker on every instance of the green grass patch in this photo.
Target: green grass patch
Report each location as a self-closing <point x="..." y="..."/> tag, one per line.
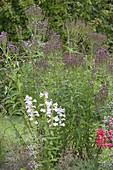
<point x="12" y="127"/>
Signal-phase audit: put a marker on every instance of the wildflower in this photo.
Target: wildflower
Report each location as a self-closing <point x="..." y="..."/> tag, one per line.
<point x="36" y="113"/>
<point x="41" y="105"/>
<point x="73" y="59"/>
<point x="45" y="94"/>
<point x="31" y="118"/>
<point x="3" y="36"/>
<point x="36" y="122"/>
<point x="34" y="100"/>
<point x="102" y="55"/>
<point x="105" y="136"/>
<point x="56" y="118"/>
<point x="62" y="124"/>
<point x="53" y="44"/>
<point x="30" y="107"/>
<point x="12" y="49"/>
<point x="48" y="121"/>
<point x="41" y="95"/>
<point x="58" y="110"/>
<point x="55" y="124"/>
<point x="48" y="103"/>
<point x="49" y="113"/>
<point x="43" y="110"/>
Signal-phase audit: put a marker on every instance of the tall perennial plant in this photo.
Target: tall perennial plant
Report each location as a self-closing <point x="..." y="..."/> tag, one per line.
<point x="46" y="122"/>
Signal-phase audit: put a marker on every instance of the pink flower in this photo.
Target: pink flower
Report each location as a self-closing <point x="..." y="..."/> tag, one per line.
<point x="100" y="132"/>
<point x="108" y="144"/>
<point x="99" y="142"/>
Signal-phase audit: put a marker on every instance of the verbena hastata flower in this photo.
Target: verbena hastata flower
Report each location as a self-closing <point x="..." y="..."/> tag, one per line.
<point x="31" y="108"/>
<point x="3" y="36"/>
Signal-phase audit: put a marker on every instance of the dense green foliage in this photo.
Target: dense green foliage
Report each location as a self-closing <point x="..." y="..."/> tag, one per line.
<point x="97" y="13"/>
<point x="12" y="17"/>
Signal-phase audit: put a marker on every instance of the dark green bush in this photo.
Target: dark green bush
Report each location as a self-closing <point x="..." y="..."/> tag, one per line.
<point x="97" y="13"/>
<point x="12" y="17"/>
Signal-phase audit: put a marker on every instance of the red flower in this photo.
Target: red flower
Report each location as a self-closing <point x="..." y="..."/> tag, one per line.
<point x="101" y="132"/>
<point x="108" y="144"/>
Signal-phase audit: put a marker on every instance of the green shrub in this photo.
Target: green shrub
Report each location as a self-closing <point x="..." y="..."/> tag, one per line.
<point x="71" y="162"/>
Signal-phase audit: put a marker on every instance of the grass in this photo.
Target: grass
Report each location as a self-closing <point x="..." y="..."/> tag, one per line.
<point x="13" y="154"/>
<point x="9" y="124"/>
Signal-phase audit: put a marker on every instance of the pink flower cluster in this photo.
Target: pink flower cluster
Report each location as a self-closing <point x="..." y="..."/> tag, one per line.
<point x="105" y="135"/>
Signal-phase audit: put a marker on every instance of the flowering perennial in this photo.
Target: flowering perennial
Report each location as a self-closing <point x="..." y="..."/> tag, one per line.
<point x="31" y="108"/>
<point x="105" y="134"/>
<point x="54" y="115"/>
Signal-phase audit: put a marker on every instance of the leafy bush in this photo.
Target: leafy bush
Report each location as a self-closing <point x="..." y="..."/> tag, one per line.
<point x="98" y="14"/>
<point x="71" y="162"/>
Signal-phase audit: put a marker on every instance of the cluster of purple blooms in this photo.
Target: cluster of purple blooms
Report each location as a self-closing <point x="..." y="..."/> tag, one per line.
<point x="73" y="59"/>
<point x="102" y="55"/>
<point x="3" y="36"/>
<point x="12" y="49"/>
<point x="98" y="36"/>
<point x="97" y="40"/>
<point x="53" y="44"/>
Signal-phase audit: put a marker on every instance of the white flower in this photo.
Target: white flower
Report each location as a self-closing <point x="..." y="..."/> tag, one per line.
<point x="31" y="114"/>
<point x="41" y="95"/>
<point x="61" y="115"/>
<point x="62" y="124"/>
<point x="46" y="95"/>
<point x="28" y="102"/>
<point x="28" y="98"/>
<point x="30" y="108"/>
<point x="36" y="113"/>
<point x="55" y="105"/>
<point x="43" y="110"/>
<point x="41" y="105"/>
<point x="63" y="119"/>
<point x="34" y="100"/>
<point x="48" y="121"/>
<point x="31" y="118"/>
<point x="48" y="103"/>
<point x="56" y="118"/>
<point x="59" y="110"/>
<point x="36" y="122"/>
<point x="48" y="111"/>
<point x="55" y="124"/>
<point x="49" y="115"/>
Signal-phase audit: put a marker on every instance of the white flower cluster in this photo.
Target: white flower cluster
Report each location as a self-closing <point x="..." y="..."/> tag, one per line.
<point x="31" y="108"/>
<point x="55" y="115"/>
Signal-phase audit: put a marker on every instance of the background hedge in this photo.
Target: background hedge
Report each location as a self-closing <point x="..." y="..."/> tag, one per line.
<point x="98" y="13"/>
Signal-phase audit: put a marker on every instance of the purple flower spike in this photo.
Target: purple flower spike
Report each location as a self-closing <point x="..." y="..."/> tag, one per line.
<point x="13" y="49"/>
<point x="102" y="55"/>
<point x="3" y="36"/>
